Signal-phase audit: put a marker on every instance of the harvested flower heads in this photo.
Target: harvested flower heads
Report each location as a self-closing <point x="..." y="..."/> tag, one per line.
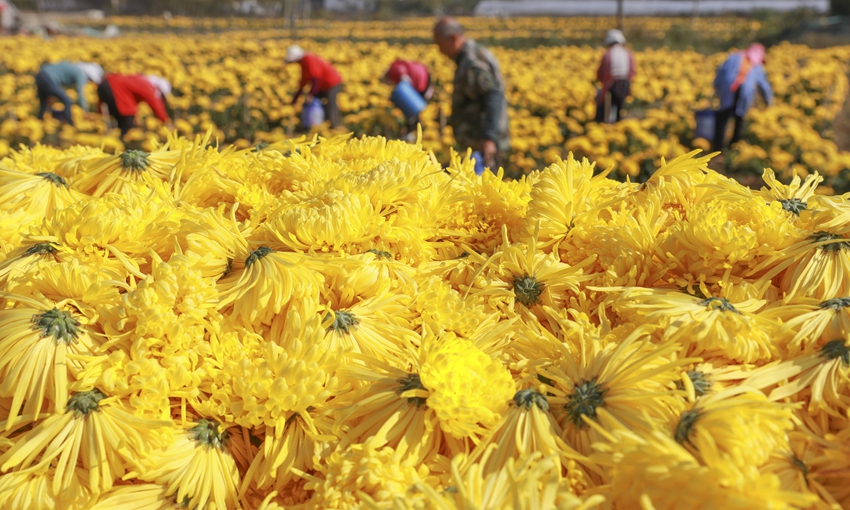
<point x="335" y="323"/>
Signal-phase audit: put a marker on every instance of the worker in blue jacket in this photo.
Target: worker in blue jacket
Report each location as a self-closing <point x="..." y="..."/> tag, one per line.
<point x="52" y="79"/>
<point x="736" y="83"/>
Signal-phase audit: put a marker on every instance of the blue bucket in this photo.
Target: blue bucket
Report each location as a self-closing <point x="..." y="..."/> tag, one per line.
<point x="479" y="162"/>
<point x="312" y="113"/>
<point x="705" y="124"/>
<point x="407" y="99"/>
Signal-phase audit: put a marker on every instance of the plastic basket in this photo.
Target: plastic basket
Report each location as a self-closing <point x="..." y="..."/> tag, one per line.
<point x="312" y="114"/>
<point x="407" y="99"/>
<point x="705" y="124"/>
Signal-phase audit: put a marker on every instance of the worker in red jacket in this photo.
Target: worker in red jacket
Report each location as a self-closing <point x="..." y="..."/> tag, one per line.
<point x="418" y="76"/>
<point x="325" y="82"/>
<point x="122" y="93"/>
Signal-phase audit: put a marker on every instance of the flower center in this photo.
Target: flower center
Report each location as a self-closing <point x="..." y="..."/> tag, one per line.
<point x="380" y="254"/>
<point x="527" y="290"/>
<point x="62" y="326"/>
<point x="343" y="321"/>
<point x="721" y="303"/>
<point x="531" y="397"/>
<point x="686" y="423"/>
<point x="587" y="396"/>
<point x="256" y="255"/>
<point x="207" y="433"/>
<point x="836" y="349"/>
<point x="83" y="403"/>
<point x="793" y="205"/>
<point x="40" y="249"/>
<point x="820" y="237"/>
<point x="411" y="382"/>
<point x="700" y="380"/>
<point x="836" y="304"/>
<point x="134" y="160"/>
<point x="55" y="179"/>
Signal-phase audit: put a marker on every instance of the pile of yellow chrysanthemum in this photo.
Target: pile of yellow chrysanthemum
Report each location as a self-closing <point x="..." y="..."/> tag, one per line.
<point x="345" y="324"/>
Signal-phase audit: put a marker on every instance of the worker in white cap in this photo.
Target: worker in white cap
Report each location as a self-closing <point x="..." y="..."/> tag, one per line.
<point x="615" y="73"/>
<point x="325" y="82"/>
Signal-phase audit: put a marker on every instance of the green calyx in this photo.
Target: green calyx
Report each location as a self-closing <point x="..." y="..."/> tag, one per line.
<point x="527" y="290"/>
<point x="380" y="254"/>
<point x="820" y="237"/>
<point x="207" y="433"/>
<point x="586" y="397"/>
<point x="721" y="303"/>
<point x="260" y="146"/>
<point x="836" y="304"/>
<point x="41" y="249"/>
<point x="700" y="380"/>
<point x="686" y="423"/>
<point x="343" y="321"/>
<point x="83" y="403"/>
<point x="62" y="326"/>
<point x="256" y="255"/>
<point x="529" y="397"/>
<point x="793" y="205"/>
<point x="836" y="349"/>
<point x="412" y="382"/>
<point x="134" y="160"/>
<point x="55" y="179"/>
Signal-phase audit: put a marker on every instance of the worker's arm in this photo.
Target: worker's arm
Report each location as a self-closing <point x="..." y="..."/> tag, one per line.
<point x="81" y="80"/>
<point x="492" y="102"/>
<point x="763" y="84"/>
<point x="151" y="96"/>
<point x="604" y="70"/>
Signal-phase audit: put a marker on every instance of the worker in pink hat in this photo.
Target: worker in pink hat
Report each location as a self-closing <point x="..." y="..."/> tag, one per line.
<point x="735" y="84"/>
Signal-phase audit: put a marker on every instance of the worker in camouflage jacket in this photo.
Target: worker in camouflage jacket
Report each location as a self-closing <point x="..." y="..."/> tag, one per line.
<point x="479" y="116"/>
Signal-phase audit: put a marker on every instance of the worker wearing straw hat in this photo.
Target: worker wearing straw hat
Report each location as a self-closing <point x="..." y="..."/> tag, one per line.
<point x="52" y="79"/>
<point x="735" y="83"/>
<point x="615" y="73"/>
<point x="324" y="81"/>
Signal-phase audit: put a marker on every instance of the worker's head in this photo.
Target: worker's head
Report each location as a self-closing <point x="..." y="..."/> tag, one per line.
<point x="92" y="71"/>
<point x="294" y="54"/>
<point x="613" y="37"/>
<point x="161" y="84"/>
<point x="755" y="54"/>
<point x="449" y="36"/>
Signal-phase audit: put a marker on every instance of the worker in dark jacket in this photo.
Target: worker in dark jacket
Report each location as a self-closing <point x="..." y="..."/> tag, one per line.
<point x="479" y="115"/>
<point x="122" y="93"/>
<point x="325" y="82"/>
<point x="52" y="79"/>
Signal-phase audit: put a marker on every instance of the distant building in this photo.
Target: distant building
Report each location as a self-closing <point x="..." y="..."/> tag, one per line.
<point x="639" y="7"/>
<point x="349" y="5"/>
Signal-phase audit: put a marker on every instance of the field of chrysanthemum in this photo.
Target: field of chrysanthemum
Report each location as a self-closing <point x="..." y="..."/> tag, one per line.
<point x="228" y="75"/>
<point x="334" y="322"/>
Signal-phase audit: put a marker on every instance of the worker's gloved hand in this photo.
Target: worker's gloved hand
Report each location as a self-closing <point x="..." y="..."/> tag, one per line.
<point x="489" y="150"/>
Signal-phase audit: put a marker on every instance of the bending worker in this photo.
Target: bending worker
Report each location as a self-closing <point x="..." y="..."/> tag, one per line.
<point x="52" y="79"/>
<point x="736" y="82"/>
<point x="122" y="93"/>
<point x="479" y="114"/>
<point x="615" y="73"/>
<point x="419" y="78"/>
<point x="325" y="82"/>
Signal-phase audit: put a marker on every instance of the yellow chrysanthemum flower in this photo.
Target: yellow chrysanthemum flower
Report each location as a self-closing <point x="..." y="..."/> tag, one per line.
<point x="467" y="389"/>
<point x="102" y="437"/>
<point x="36" y="194"/>
<point x="196" y="467"/>
<point x="738" y="425"/>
